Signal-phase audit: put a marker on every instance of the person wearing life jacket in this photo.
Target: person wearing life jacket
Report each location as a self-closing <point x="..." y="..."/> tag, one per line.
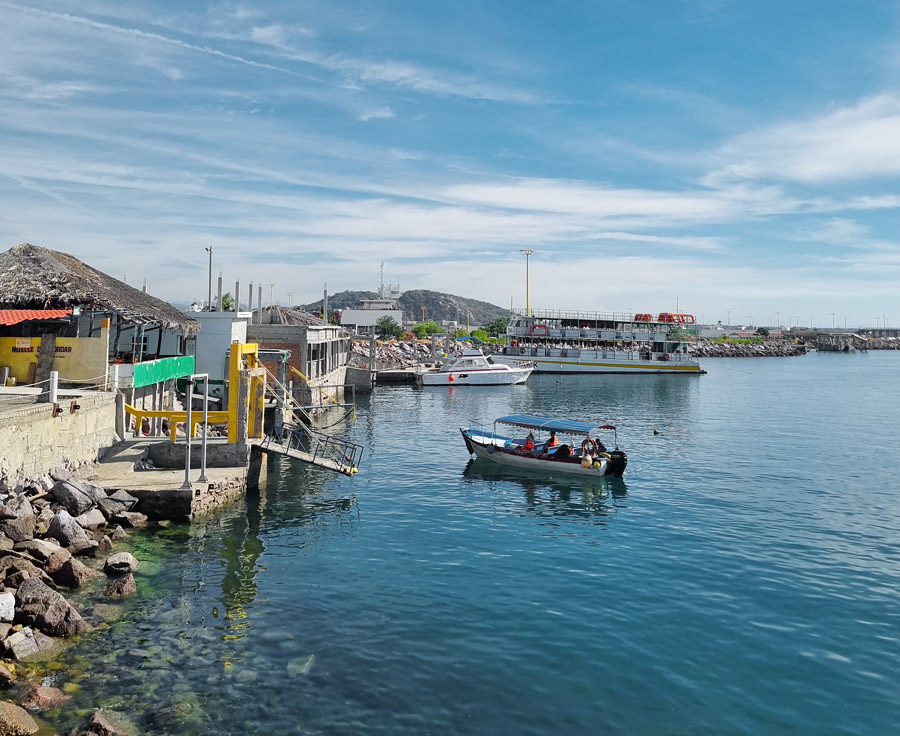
<point x="552" y="442"/>
<point x="529" y="443"/>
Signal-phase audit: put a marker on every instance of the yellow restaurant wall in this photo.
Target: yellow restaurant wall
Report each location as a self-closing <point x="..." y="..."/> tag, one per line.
<point x="76" y="359"/>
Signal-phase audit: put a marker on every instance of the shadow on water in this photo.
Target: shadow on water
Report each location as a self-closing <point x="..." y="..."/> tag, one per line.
<point x="551" y="496"/>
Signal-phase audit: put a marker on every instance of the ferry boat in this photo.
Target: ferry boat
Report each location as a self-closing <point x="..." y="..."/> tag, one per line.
<point x="578" y="453"/>
<point x="470" y="367"/>
<point x="595" y="342"/>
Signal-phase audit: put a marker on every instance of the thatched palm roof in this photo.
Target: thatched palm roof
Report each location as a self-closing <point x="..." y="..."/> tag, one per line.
<point x="38" y="278"/>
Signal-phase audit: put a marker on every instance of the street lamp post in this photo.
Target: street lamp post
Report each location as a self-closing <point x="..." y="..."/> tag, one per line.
<point x="209" y="298"/>
<point x="832" y="320"/>
<point x="528" y="253"/>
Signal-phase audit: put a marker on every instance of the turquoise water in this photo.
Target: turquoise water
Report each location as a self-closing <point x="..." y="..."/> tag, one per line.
<point x="744" y="578"/>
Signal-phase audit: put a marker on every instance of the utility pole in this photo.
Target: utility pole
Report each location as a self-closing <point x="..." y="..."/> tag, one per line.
<point x="271" y="295"/>
<point x="423" y="314"/>
<point x="209" y="298"/>
<point x="528" y="253"/>
<point x="290" y="298"/>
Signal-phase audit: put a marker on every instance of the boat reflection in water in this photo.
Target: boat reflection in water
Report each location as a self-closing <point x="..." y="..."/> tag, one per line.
<point x="557" y="497"/>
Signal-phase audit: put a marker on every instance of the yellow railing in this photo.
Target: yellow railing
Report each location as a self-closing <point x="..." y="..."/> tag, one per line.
<point x="213" y="417"/>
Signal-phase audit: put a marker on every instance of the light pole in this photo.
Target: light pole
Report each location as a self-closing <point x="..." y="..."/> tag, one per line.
<point x="811" y="320"/>
<point x="528" y="253"/>
<point x="209" y="299"/>
<point x="729" y="320"/>
<point x="832" y="320"/>
<point x="271" y="295"/>
<point x="778" y="320"/>
<point x="845" y="320"/>
<point x="290" y="299"/>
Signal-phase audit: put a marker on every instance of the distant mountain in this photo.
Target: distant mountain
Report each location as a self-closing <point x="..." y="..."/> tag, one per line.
<point x="438" y="306"/>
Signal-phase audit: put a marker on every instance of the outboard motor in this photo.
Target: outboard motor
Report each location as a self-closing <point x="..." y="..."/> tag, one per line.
<point x="618" y="460"/>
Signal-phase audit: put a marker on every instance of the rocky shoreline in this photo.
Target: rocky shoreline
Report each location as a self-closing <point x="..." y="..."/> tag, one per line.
<point x="746" y="350"/>
<point x="57" y="533"/>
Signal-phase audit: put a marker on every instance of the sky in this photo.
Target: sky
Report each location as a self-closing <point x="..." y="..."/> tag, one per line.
<point x="737" y="160"/>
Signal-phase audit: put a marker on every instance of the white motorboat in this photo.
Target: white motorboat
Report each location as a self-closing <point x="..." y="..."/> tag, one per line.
<point x="580" y="453"/>
<point x="470" y="367"/>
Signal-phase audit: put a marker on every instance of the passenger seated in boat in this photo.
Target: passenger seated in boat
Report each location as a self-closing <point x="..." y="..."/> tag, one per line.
<point x="529" y="443"/>
<point x="600" y="446"/>
<point x="563" y="451"/>
<point x="552" y="442"/>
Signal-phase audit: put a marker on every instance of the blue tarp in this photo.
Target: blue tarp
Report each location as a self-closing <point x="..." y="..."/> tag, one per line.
<point x="548" y="424"/>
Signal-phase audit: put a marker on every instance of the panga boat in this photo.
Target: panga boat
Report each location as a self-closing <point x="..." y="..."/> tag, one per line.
<point x="579" y="453"/>
<point x="470" y="367"/>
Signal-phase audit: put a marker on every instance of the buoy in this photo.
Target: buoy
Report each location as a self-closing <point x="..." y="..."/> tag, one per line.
<point x="586" y="461"/>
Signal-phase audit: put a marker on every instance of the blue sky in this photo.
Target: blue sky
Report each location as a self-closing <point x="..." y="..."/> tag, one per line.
<point x="711" y="155"/>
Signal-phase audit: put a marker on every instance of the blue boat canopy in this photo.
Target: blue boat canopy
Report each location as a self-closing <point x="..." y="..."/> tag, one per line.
<point x="548" y="424"/>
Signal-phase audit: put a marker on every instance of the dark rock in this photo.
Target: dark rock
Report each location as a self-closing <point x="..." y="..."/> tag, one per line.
<point x="46" y="609"/>
<point x="73" y="496"/>
<point x="7" y="678"/>
<point x="120" y="563"/>
<point x="109" y="508"/>
<point x="66" y="531"/>
<point x="56" y="561"/>
<point x="16" y="568"/>
<point x="74" y="574"/>
<point x="15" y="721"/>
<point x="105" y="544"/>
<point x="95" y="492"/>
<point x="40" y="697"/>
<point x="18" y="519"/>
<point x="125" y="499"/>
<point x="110" y="723"/>
<point x="121" y="587"/>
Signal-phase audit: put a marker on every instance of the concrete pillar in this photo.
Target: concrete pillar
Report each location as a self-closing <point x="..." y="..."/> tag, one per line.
<point x="237" y="295"/>
<point x="219" y="295"/>
<point x="259" y="305"/>
<point x="120" y="415"/>
<point x="250" y="302"/>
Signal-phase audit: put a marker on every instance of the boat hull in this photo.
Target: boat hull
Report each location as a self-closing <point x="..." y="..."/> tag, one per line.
<point x="495" y="448"/>
<point x="581" y="363"/>
<point x="476" y="377"/>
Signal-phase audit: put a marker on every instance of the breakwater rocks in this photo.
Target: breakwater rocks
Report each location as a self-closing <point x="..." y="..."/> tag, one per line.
<point x="746" y="350"/>
<point x="390" y="354"/>
<point x="57" y="535"/>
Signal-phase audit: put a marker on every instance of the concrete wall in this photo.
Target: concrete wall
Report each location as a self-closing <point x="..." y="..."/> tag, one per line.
<point x="33" y="441"/>
<point x="217" y="331"/>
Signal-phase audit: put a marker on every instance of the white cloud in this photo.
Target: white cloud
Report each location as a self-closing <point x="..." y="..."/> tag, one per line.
<point x="380" y="113"/>
<point x="849" y="143"/>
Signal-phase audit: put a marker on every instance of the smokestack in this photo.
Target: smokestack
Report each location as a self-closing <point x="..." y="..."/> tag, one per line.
<point x="250" y="303"/>
<point x="237" y="295"/>
<point x="219" y="297"/>
<point x="325" y="305"/>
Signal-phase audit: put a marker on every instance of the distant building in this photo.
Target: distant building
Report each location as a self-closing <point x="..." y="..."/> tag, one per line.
<point x="363" y="319"/>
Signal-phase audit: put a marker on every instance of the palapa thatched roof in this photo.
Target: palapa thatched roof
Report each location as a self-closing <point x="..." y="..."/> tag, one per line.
<point x="38" y="278"/>
<point x="278" y="315"/>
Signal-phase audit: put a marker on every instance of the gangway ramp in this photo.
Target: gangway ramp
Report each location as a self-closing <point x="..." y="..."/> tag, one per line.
<point x="313" y="446"/>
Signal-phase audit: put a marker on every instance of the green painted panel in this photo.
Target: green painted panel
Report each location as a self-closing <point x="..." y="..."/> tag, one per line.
<point x="155" y="371"/>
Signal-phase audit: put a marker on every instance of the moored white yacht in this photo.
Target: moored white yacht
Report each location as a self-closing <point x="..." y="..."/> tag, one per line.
<point x="470" y="367"/>
<point x="595" y="342"/>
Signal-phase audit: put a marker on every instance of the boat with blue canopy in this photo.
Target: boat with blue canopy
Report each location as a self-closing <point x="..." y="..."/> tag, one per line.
<point x="560" y="445"/>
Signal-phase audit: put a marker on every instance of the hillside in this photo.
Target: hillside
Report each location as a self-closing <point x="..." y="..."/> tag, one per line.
<point x="438" y="306"/>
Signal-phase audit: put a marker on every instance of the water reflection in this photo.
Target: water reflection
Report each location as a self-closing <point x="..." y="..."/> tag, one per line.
<point x="240" y="551"/>
<point x="559" y="497"/>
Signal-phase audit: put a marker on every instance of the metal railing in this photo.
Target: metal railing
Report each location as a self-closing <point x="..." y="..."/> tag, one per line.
<point x="315" y="443"/>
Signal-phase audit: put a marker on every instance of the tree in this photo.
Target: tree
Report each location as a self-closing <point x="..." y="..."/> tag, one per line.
<point x="498" y="326"/>
<point x="763" y="331"/>
<point x="481" y="334"/>
<point x="386" y="328"/>
<point x="227" y="302"/>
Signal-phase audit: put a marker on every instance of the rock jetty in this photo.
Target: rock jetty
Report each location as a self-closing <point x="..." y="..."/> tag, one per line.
<point x="769" y="349"/>
<point x="57" y="534"/>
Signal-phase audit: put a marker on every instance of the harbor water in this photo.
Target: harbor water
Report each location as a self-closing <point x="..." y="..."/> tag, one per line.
<point x="743" y="578"/>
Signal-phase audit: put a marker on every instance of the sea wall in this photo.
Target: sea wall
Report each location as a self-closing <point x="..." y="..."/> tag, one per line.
<point x="34" y="442"/>
<point x="746" y="350"/>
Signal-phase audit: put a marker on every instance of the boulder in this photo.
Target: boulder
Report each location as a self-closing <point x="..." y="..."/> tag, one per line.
<point x="21" y="644"/>
<point x="118" y="534"/>
<point x="121" y="587"/>
<point x="7" y="678"/>
<point x="16" y="568"/>
<point x="110" y="508"/>
<point x="46" y="609"/>
<point x="105" y="544"/>
<point x="65" y="530"/>
<point x="96" y="493"/>
<point x="110" y="723"/>
<point x="92" y="519"/>
<point x="7" y="607"/>
<point x="6" y="543"/>
<point x="41" y="697"/>
<point x="74" y="574"/>
<point x="40" y="549"/>
<point x="73" y="496"/>
<point x="59" y="558"/>
<point x="15" y="721"/>
<point x="125" y="499"/>
<point x="120" y="563"/>
<point x="18" y="519"/>
<point x="131" y="519"/>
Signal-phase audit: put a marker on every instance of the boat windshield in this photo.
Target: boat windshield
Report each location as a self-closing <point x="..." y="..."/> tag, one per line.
<point x="549" y="424"/>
